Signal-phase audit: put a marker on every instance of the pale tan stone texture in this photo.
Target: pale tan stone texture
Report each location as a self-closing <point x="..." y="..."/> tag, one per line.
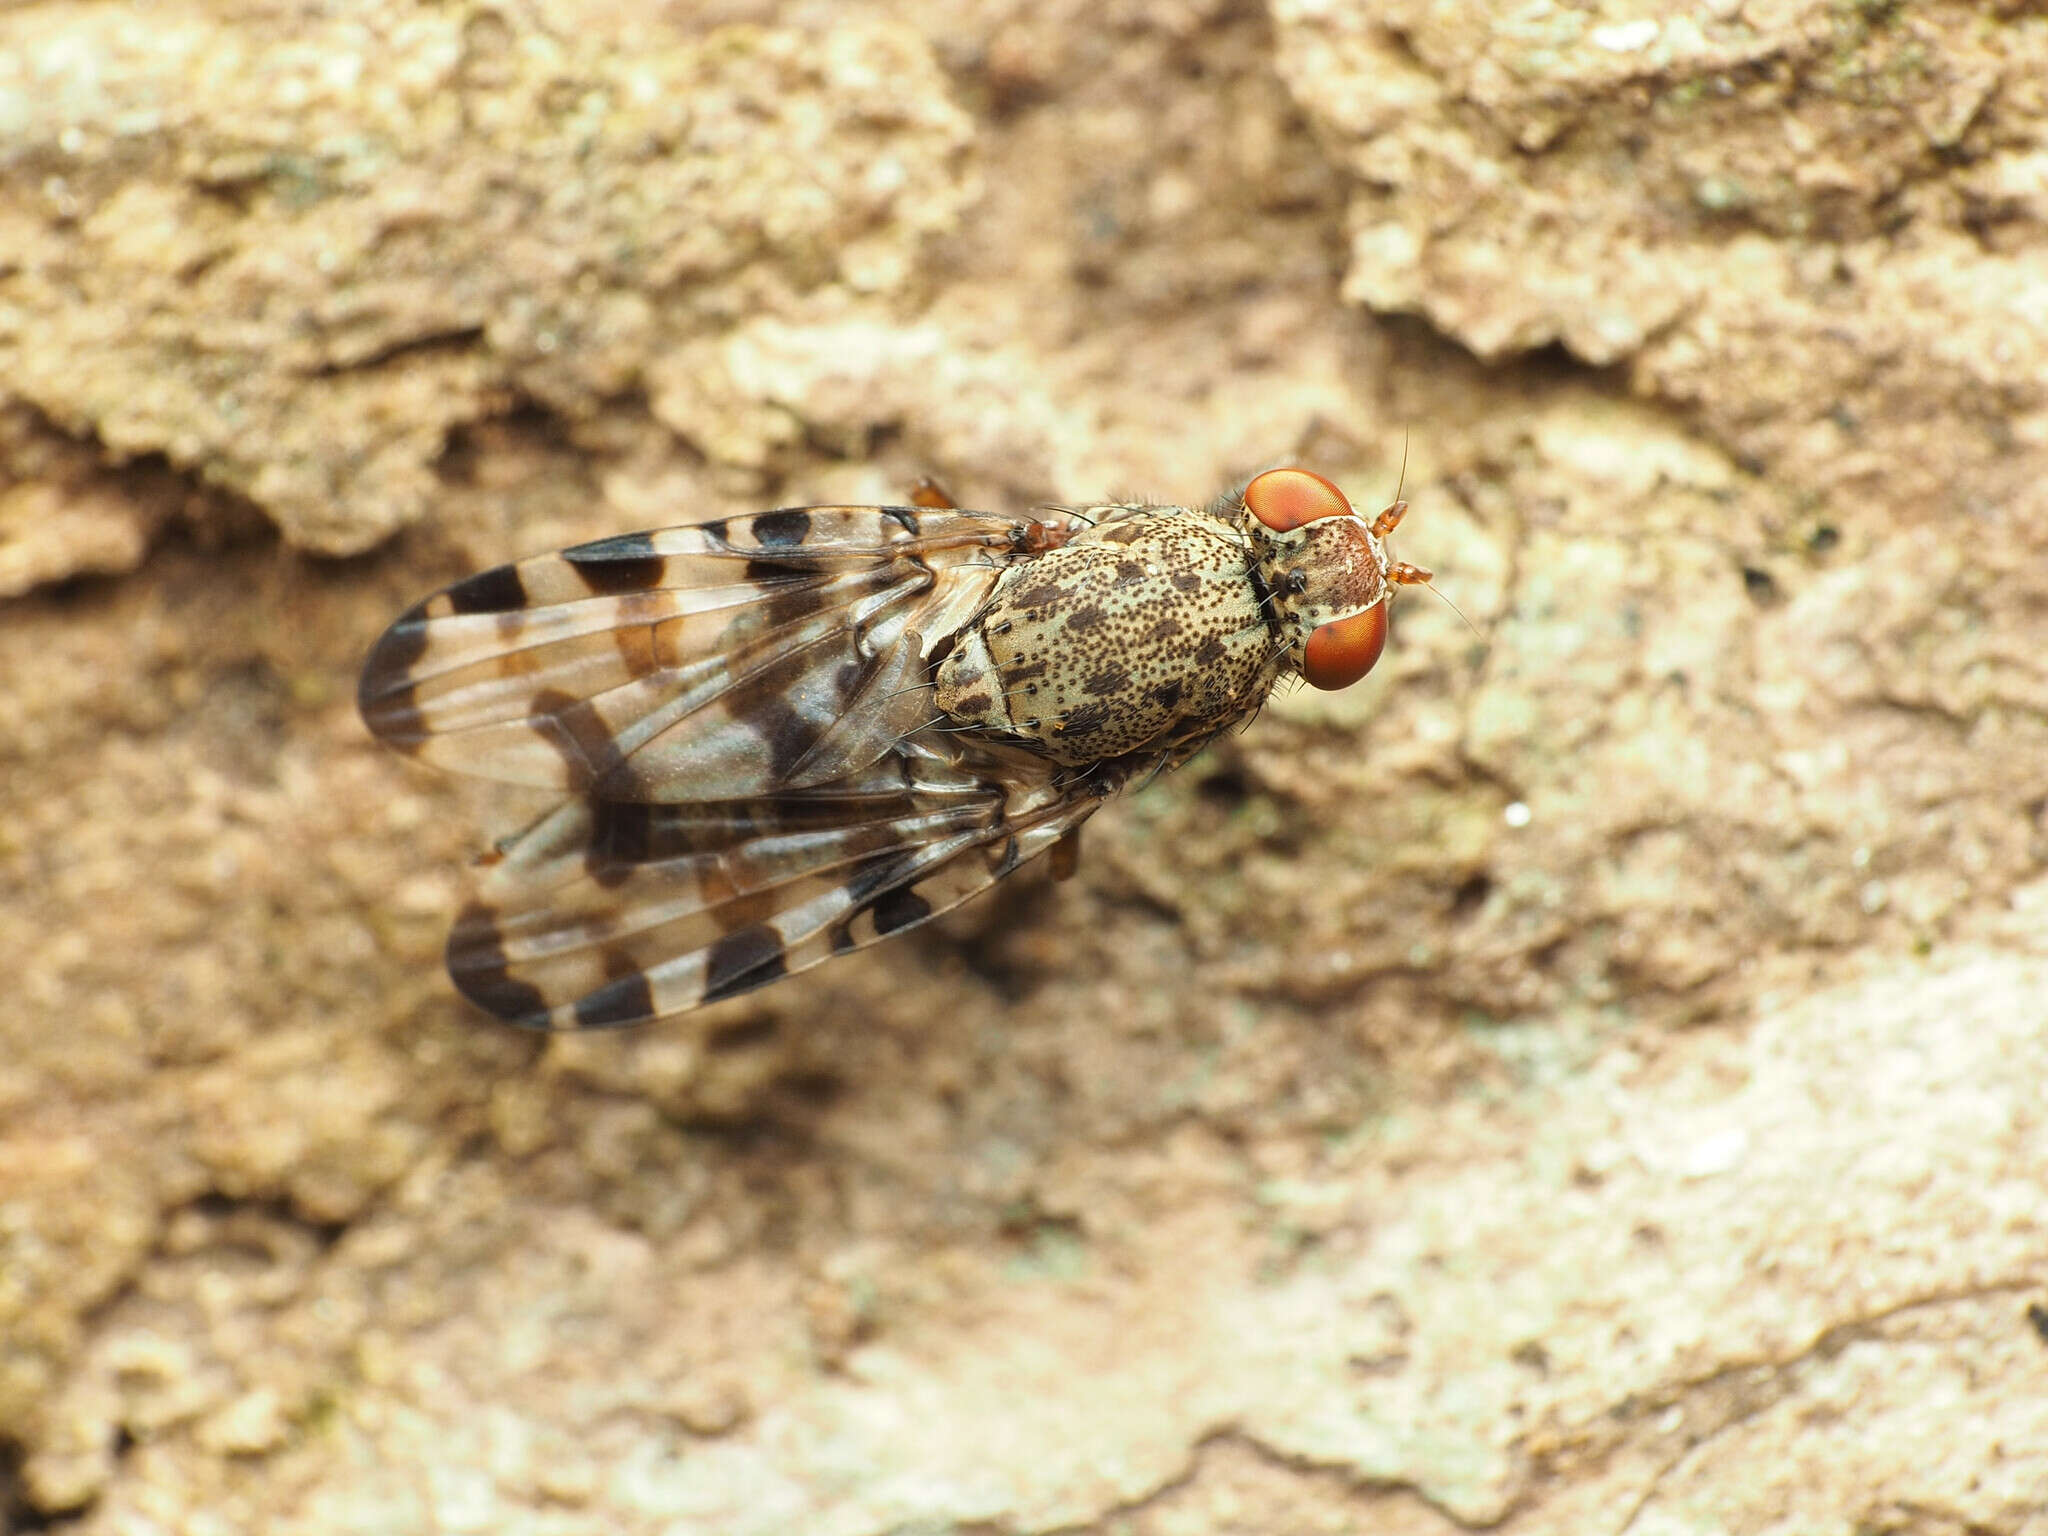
<point x="1586" y="1078"/>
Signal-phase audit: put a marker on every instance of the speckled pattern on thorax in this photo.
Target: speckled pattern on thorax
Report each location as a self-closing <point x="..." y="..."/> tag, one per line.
<point x="1141" y="631"/>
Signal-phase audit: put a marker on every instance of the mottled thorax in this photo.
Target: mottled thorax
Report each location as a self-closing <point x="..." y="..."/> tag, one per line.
<point x="1138" y="633"/>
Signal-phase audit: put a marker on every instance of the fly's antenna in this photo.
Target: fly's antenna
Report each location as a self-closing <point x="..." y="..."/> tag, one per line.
<point x="1402" y="573"/>
<point x="1459" y="612"/>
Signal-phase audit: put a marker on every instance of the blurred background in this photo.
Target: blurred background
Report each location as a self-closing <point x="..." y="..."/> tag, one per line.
<point x="1586" y="1077"/>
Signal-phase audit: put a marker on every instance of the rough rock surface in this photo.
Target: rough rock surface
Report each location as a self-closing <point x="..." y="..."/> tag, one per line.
<point x="1586" y="1078"/>
<point x="292" y="256"/>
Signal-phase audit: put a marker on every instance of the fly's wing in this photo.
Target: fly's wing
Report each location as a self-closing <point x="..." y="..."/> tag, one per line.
<point x="740" y="715"/>
<point x="734" y="659"/>
<point x="605" y="913"/>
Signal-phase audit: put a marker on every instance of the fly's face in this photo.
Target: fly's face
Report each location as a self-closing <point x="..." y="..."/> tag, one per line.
<point x="1326" y="572"/>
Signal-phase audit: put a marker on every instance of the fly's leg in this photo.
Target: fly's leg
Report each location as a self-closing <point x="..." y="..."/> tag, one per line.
<point x="932" y="496"/>
<point x="1033" y="539"/>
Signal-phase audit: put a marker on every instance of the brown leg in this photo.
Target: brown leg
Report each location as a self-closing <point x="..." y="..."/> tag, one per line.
<point x="929" y="494"/>
<point x="1066" y="854"/>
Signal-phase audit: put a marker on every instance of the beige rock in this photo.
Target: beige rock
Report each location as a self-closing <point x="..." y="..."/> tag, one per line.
<point x="1587" y="1077"/>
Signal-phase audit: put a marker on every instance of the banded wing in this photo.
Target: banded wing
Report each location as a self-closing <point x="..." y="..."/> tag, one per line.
<point x="722" y="661"/>
<point x="606" y="913"/>
<point x="740" y="714"/>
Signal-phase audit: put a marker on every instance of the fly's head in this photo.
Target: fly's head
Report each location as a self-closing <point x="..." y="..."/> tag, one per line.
<point x="1327" y="572"/>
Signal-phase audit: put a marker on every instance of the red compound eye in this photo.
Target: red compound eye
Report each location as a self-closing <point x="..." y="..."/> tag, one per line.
<point x="1287" y="498"/>
<point x="1339" y="653"/>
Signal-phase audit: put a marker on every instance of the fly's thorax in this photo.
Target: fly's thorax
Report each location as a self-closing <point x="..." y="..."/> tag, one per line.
<point x="1141" y="632"/>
